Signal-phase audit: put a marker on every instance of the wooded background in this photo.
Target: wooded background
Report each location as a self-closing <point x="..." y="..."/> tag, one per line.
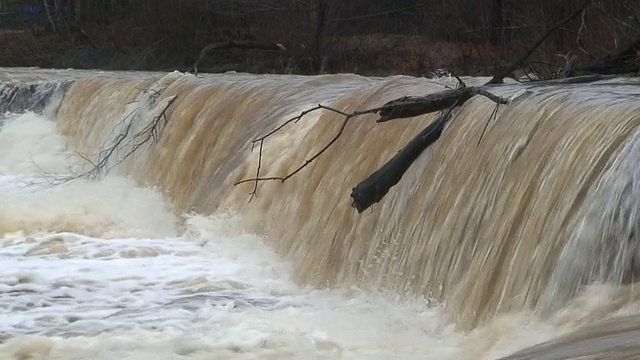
<point x="373" y="37"/>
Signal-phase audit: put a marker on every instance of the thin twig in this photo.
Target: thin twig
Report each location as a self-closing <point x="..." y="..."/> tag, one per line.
<point x="260" y="141"/>
<point x="103" y="164"/>
<point x="461" y="83"/>
<point x="307" y="162"/>
<point x="493" y="116"/>
<point x="496" y="99"/>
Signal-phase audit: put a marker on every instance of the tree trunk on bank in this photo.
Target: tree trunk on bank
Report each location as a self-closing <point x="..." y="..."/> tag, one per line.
<point x="496" y="32"/>
<point x="47" y="10"/>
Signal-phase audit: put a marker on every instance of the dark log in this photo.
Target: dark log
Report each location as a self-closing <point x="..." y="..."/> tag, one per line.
<point x="584" y="79"/>
<point x="497" y="20"/>
<point x="411" y="106"/>
<point x="622" y="59"/>
<point x="377" y="185"/>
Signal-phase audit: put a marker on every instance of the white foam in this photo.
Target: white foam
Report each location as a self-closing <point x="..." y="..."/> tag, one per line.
<point x="103" y="270"/>
<point x="29" y="144"/>
<point x="112" y="207"/>
<point x="207" y="293"/>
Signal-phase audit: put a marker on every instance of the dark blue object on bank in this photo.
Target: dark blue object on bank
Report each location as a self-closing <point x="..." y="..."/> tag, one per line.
<point x="32" y="14"/>
<point x="7" y="16"/>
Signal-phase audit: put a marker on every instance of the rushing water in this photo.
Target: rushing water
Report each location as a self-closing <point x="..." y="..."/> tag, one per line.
<point x="483" y="249"/>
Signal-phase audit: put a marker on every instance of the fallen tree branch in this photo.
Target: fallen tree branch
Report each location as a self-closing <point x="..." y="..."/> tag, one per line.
<point x="622" y="59"/>
<point x="379" y="183"/>
<point x="494" y="115"/>
<point x="411" y="106"/>
<point x="148" y="135"/>
<point x="584" y="79"/>
<point x="124" y="138"/>
<point x="260" y="141"/>
<point x="404" y="107"/>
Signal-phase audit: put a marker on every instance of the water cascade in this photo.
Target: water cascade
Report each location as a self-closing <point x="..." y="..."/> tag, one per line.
<point x="540" y="211"/>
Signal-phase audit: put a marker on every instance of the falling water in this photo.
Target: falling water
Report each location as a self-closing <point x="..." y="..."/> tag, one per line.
<point x="493" y="241"/>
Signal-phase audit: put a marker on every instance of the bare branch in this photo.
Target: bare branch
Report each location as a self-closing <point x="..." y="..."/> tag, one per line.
<point x="106" y="161"/>
<point x="493" y="116"/>
<point x="496" y="99"/>
<point x="403" y="107"/>
<point x="260" y="140"/>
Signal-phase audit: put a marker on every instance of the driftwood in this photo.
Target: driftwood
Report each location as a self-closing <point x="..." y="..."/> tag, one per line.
<point x="377" y="185"/>
<point x="584" y="79"/>
<point x="623" y="59"/>
<point x="123" y="142"/>
<point x="235" y="44"/>
<point x="411" y="106"/>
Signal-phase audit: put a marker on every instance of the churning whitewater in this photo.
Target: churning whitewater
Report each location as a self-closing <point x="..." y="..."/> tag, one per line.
<point x="485" y="247"/>
<point x="105" y="269"/>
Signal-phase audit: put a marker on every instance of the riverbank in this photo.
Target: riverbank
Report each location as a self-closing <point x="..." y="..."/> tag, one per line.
<point x="371" y="55"/>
